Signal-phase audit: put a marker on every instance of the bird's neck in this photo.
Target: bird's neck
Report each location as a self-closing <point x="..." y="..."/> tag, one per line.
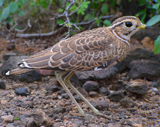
<point x="122" y="37"/>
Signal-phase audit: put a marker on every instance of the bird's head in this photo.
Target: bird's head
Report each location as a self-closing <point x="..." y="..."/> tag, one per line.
<point x="126" y="26"/>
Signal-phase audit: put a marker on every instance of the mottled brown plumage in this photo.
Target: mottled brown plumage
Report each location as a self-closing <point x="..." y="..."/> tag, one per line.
<point x="93" y="49"/>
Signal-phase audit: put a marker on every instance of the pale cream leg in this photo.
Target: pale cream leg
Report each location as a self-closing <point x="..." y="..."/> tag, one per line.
<point x="59" y="76"/>
<point x="68" y="83"/>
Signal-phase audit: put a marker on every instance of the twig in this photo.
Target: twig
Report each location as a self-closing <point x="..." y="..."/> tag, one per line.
<point x="93" y="20"/>
<point x="16" y="24"/>
<point x="39" y="34"/>
<point x="28" y="26"/>
<point x="15" y="29"/>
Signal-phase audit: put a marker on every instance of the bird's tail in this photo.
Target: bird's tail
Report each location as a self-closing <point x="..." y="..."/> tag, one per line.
<point x="18" y="71"/>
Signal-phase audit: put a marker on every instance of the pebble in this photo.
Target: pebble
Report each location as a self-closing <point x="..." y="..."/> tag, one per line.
<point x="7" y="118"/>
<point x="59" y="110"/>
<point x="137" y="88"/>
<point x="2" y="84"/>
<point x="77" y="98"/>
<point x="11" y="125"/>
<point x="30" y="76"/>
<point x="39" y="118"/>
<point x="104" y="91"/>
<point x="137" y="125"/>
<point x="22" y="91"/>
<point x="65" y="95"/>
<point x="100" y="105"/>
<point x="3" y="102"/>
<point x="113" y="125"/>
<point x="52" y="88"/>
<point x="91" y="86"/>
<point x="155" y="84"/>
<point x="125" y="102"/>
<point x="93" y="94"/>
<point x="116" y="95"/>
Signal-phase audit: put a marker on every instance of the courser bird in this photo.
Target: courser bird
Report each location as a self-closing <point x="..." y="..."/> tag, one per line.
<point x="93" y="49"/>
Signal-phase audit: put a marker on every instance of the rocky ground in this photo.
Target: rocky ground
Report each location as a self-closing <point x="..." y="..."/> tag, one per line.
<point x="129" y="91"/>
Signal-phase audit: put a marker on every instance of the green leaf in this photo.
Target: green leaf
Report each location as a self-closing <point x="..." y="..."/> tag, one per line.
<point x="104" y="9"/>
<point x="5" y="13"/>
<point x="153" y="20"/>
<point x="68" y="25"/>
<point x="60" y="10"/>
<point x="156" y="6"/>
<point x="107" y="22"/>
<point x="142" y="2"/>
<point x="89" y="17"/>
<point x="1" y="2"/>
<point x="13" y="7"/>
<point x="24" y="1"/>
<point x="0" y="18"/>
<point x="16" y="118"/>
<point x="8" y="20"/>
<point x="20" y="13"/>
<point x="74" y="8"/>
<point x="97" y="21"/>
<point x="60" y="21"/>
<point x="83" y="7"/>
<point x="157" y="45"/>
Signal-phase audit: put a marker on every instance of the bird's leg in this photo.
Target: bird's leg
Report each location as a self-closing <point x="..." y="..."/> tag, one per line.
<point x="68" y="83"/>
<point x="59" y="76"/>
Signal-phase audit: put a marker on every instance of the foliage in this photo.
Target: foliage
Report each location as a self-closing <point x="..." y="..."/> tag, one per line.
<point x="10" y="8"/>
<point x="83" y="10"/>
<point x="154" y="6"/>
<point x="157" y="45"/>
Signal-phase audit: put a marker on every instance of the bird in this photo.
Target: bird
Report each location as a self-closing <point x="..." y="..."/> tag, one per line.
<point x="89" y="50"/>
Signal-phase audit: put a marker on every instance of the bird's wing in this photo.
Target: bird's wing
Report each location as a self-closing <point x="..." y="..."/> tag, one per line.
<point x="83" y="51"/>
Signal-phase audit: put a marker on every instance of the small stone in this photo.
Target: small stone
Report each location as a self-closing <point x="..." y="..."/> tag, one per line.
<point x="91" y="86"/>
<point x="59" y="110"/>
<point x="30" y="76"/>
<point x="104" y="91"/>
<point x="52" y="88"/>
<point x="65" y="95"/>
<point x="24" y="118"/>
<point x="114" y="125"/>
<point x="137" y="88"/>
<point x="27" y="104"/>
<point x="155" y="84"/>
<point x="77" y="98"/>
<point x="39" y="118"/>
<point x="2" y="84"/>
<point x="55" y="116"/>
<point x="10" y="125"/>
<point x="7" y="118"/>
<point x="3" y="102"/>
<point x="125" y="102"/>
<point x="7" y="55"/>
<point x="22" y="91"/>
<point x="146" y="106"/>
<point x="137" y="125"/>
<point x="78" y="122"/>
<point x="154" y="89"/>
<point x="93" y="94"/>
<point x="116" y="95"/>
<point x="100" y="105"/>
<point x="149" y="69"/>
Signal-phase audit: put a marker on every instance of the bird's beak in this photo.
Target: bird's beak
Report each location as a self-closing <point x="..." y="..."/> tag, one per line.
<point x="143" y="26"/>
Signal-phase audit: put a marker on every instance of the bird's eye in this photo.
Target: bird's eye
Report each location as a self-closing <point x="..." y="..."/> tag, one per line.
<point x="128" y="24"/>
